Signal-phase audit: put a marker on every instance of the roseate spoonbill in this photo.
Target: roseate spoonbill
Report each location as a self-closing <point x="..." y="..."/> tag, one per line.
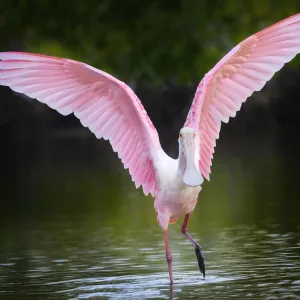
<point x="111" y="110"/>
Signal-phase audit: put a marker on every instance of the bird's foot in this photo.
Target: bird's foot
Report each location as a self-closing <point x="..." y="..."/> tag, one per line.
<point x="200" y="259"/>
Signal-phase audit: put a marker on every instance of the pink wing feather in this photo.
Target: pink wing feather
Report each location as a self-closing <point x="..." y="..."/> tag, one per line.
<point x="245" y="69"/>
<point x="107" y="106"/>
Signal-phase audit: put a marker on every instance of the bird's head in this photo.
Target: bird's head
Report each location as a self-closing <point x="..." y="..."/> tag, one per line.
<point x="192" y="175"/>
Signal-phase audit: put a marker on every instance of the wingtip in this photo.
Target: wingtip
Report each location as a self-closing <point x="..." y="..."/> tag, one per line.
<point x="14" y="55"/>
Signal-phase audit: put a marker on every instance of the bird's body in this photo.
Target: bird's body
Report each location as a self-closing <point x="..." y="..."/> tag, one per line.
<point x="174" y="199"/>
<point x="111" y="110"/>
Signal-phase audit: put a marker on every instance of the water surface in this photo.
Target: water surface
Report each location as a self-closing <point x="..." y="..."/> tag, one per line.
<point x="72" y="226"/>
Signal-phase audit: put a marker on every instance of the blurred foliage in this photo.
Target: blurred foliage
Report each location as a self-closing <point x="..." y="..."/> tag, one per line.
<point x="138" y="40"/>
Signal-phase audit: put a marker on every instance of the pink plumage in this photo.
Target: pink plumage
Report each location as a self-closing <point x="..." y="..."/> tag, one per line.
<point x="107" y="106"/>
<point x="245" y="69"/>
<point x="111" y="110"/>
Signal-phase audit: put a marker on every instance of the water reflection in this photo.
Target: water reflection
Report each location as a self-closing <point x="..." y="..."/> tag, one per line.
<point x="76" y="231"/>
<point x="106" y="264"/>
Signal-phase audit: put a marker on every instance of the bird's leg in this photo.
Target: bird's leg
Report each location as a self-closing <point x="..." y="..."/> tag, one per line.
<point x="197" y="247"/>
<point x="168" y="256"/>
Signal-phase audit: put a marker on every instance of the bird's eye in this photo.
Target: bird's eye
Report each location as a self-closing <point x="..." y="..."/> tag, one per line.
<point x="180" y="135"/>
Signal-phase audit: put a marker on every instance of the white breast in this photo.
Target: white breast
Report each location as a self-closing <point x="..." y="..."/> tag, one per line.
<point x="174" y="198"/>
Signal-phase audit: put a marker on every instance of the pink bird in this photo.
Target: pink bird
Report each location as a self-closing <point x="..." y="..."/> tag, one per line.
<point x="111" y="110"/>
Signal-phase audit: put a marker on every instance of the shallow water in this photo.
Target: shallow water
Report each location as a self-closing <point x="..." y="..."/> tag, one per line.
<point x="62" y="262"/>
<point x="70" y="228"/>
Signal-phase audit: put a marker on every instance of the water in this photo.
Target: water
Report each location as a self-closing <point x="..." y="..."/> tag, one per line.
<point x="104" y="263"/>
<point x="72" y="226"/>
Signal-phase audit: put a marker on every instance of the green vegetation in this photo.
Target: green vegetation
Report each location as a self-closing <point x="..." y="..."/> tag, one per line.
<point x="138" y="40"/>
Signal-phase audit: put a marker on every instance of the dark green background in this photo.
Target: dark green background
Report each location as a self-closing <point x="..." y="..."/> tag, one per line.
<point x="72" y="224"/>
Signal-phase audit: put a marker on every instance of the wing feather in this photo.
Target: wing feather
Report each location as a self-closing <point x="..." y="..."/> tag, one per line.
<point x="245" y="69"/>
<point x="107" y="106"/>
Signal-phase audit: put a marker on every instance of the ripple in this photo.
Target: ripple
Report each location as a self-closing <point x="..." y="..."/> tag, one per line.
<point x="143" y="287"/>
<point x="243" y="263"/>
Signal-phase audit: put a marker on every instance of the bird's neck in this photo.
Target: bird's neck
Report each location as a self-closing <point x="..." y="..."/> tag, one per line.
<point x="188" y="170"/>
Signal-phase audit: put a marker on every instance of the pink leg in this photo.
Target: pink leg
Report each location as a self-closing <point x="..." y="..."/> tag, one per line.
<point x="168" y="256"/>
<point x="197" y="247"/>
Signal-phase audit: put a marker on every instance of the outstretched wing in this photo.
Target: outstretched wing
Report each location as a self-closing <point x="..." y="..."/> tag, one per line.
<point x="245" y="69"/>
<point x="107" y="106"/>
